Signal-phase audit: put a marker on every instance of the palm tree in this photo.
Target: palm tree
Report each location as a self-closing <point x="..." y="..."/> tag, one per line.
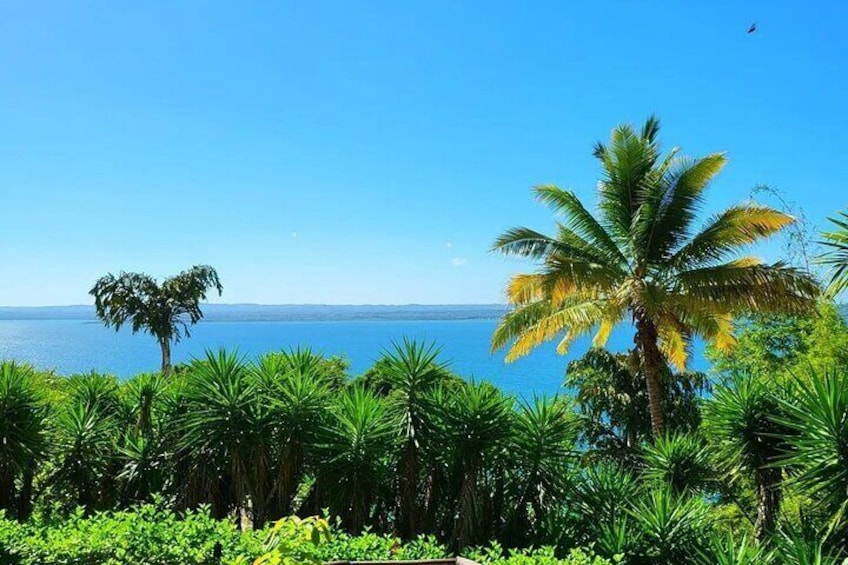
<point x="640" y="260"/>
<point x="22" y="437"/>
<point x="742" y="417"/>
<point x="165" y="311"/>
<point x="837" y="255"/>
<point x="412" y="371"/>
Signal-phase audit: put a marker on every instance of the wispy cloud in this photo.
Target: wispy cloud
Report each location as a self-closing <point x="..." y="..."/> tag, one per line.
<point x="448" y="244"/>
<point x="458" y="261"/>
<point x="294" y="234"/>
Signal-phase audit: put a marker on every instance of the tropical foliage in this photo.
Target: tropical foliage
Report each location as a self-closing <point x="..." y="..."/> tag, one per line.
<point x="641" y="259"/>
<point x="165" y="310"/>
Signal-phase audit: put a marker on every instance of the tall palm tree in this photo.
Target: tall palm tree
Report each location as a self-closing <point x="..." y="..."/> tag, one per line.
<point x="837" y="254"/>
<point x="641" y="260"/>
<point x="165" y="311"/>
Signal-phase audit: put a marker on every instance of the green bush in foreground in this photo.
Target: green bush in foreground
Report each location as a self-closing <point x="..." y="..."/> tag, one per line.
<point x="149" y="535"/>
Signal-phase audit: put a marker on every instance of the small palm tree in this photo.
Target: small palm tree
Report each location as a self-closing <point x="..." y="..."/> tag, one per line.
<point x="681" y="462"/>
<point x="477" y="419"/>
<point x="642" y="260"/>
<point x="743" y="418"/>
<point x="837" y="255"/>
<point x="226" y="435"/>
<point x="353" y="467"/>
<point x="23" y="441"/>
<point x="817" y="425"/>
<point x="412" y="371"/>
<point x="164" y="310"/>
<point x="297" y="395"/>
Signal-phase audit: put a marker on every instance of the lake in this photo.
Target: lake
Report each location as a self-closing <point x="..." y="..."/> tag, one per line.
<point x="70" y="340"/>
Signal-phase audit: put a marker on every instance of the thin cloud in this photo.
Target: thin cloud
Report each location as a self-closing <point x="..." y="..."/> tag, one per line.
<point x="448" y="244"/>
<point x="294" y="234"/>
<point x="458" y="261"/>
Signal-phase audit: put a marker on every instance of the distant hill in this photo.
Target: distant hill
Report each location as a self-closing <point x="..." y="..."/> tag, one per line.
<point x="283" y="313"/>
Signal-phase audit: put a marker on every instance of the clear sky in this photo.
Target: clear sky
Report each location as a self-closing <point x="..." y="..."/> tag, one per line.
<point x="369" y="152"/>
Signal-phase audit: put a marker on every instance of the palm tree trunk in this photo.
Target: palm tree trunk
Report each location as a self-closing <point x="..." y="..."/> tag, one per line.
<point x="653" y="364"/>
<point x="165" y="345"/>
<point x="768" y="502"/>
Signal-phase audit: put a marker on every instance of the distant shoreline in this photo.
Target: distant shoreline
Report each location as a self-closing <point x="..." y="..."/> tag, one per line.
<point x="286" y="312"/>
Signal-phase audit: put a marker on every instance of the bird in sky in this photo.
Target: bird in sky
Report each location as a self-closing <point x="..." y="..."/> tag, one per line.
<point x="753" y="28"/>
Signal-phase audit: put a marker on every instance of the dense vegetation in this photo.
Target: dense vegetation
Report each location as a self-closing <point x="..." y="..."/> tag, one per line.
<point x="228" y="459"/>
<point x="410" y="449"/>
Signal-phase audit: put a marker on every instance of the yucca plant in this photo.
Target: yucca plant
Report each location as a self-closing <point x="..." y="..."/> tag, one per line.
<point x="297" y="392"/>
<point x="725" y="550"/>
<point x="226" y="435"/>
<point x="743" y="417"/>
<point x="817" y="423"/>
<point x="412" y="370"/>
<point x="477" y="420"/>
<point x="836" y="255"/>
<point x="681" y="462"/>
<point x="354" y="456"/>
<point x="543" y="446"/>
<point x="642" y="261"/>
<point x="23" y="441"/>
<point x="672" y="528"/>
<point x="85" y="443"/>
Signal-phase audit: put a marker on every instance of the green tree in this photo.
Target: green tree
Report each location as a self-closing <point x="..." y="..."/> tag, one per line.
<point x="782" y="346"/>
<point x="476" y="420"/>
<point x="640" y="260"/>
<point x="612" y="400"/>
<point x="165" y="311"/>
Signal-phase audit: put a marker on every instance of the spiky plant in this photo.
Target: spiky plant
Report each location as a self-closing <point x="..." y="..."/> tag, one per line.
<point x="85" y="444"/>
<point x="296" y="391"/>
<point x="477" y="419"/>
<point x="354" y="462"/>
<point x="817" y="423"/>
<point x="743" y="417"/>
<point x="226" y="435"/>
<point x="642" y="260"/>
<point x="23" y="441"/>
<point x="681" y="462"/>
<point x="725" y="550"/>
<point x="672" y="527"/>
<point x="544" y="438"/>
<point x="412" y="370"/>
<point x="836" y="255"/>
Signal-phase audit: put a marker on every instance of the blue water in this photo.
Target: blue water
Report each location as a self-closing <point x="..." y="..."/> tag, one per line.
<point x="80" y="345"/>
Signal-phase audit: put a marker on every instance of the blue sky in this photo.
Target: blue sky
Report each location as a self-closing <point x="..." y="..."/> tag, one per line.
<point x="347" y="152"/>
